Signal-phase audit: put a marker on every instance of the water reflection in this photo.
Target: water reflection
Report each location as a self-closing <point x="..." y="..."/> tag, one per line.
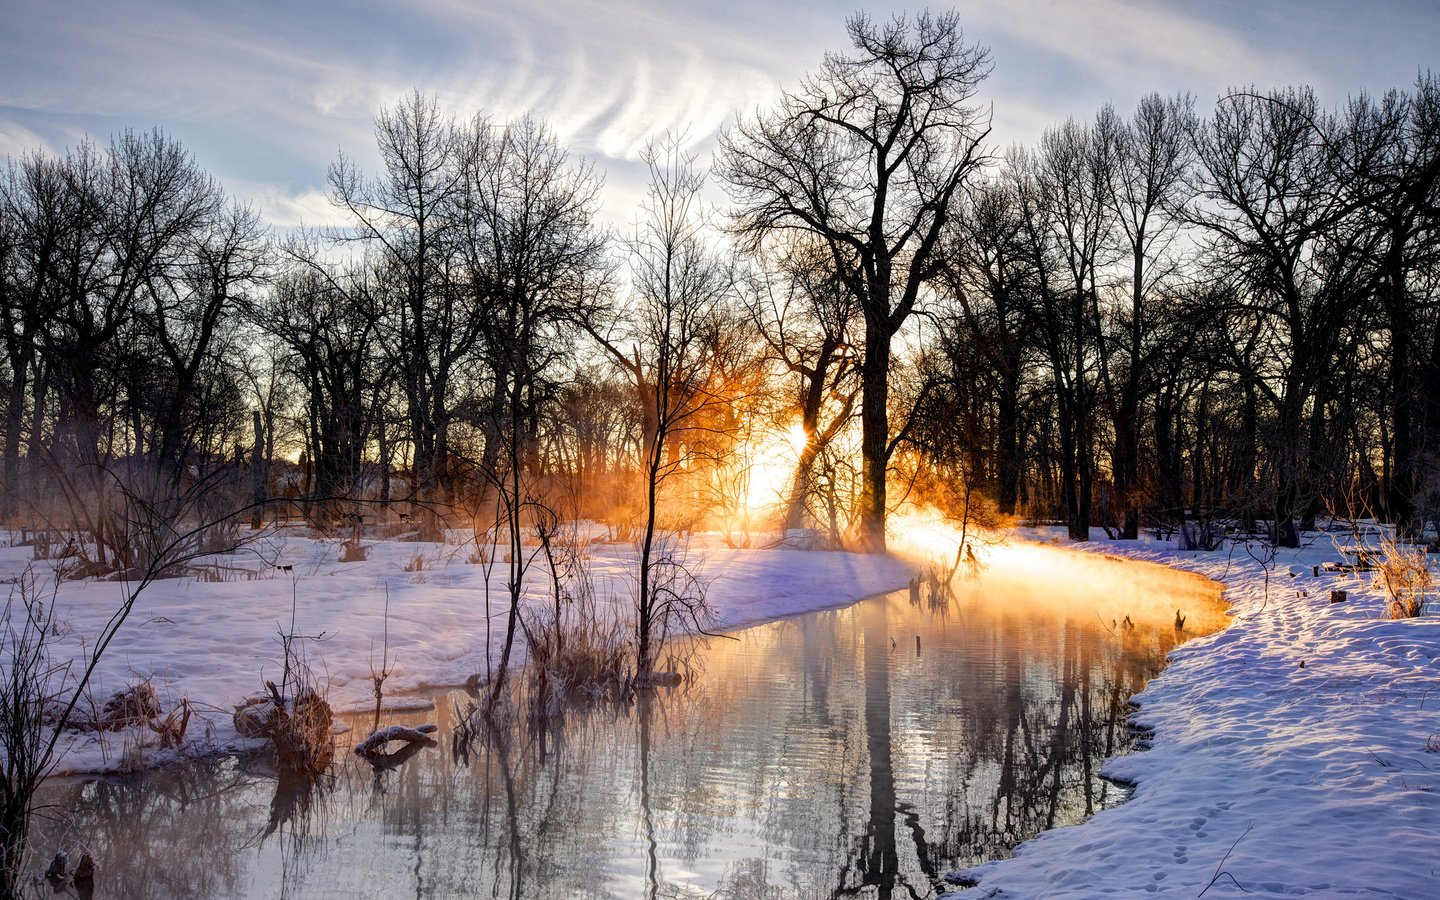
<point x="855" y="753"/>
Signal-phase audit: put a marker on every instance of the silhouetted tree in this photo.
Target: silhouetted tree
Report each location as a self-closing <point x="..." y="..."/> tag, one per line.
<point x="1146" y="188"/>
<point x="868" y="156"/>
<point x="806" y="317"/>
<point x="407" y="217"/>
<point x="672" y="340"/>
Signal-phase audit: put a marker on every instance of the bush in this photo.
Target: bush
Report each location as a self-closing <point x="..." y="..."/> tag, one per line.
<point x="1405" y="575"/>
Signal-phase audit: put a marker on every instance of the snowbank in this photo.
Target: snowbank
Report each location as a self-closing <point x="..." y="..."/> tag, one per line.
<point x="1294" y="753"/>
<point x="214" y="643"/>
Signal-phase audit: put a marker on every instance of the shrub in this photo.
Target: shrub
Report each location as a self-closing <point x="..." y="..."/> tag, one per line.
<point x="1405" y="575"/>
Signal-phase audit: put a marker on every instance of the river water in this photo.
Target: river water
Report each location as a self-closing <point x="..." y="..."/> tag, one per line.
<point x="858" y="752"/>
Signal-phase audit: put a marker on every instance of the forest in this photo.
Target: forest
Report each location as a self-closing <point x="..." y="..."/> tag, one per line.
<point x="1149" y="317"/>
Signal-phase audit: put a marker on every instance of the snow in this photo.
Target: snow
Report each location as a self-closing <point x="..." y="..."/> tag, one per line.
<point x="1267" y="777"/>
<point x="216" y="642"/>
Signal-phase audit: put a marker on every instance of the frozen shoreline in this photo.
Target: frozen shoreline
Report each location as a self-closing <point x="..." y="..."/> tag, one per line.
<point x="1265" y="777"/>
<point x="214" y="643"/>
<point x="1294" y="753"/>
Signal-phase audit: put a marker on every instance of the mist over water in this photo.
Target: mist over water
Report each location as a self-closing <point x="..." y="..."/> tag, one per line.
<point x="856" y="752"/>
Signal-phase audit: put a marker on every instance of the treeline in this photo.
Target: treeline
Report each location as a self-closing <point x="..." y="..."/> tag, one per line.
<point x="1233" y="314"/>
<point x="1145" y="316"/>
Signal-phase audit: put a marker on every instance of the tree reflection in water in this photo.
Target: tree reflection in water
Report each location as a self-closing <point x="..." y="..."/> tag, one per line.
<point x="177" y="833"/>
<point x="828" y="755"/>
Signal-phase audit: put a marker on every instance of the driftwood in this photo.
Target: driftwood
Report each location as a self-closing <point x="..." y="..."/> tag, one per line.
<point x="374" y="745"/>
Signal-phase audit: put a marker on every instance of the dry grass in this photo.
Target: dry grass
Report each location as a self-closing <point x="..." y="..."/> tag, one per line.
<point x="299" y="728"/>
<point x="171" y="729"/>
<point x="298" y="717"/>
<point x="1403" y="571"/>
<point x="576" y="652"/>
<point x="590" y="659"/>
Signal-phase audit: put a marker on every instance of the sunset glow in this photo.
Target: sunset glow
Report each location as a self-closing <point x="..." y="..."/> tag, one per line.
<point x="768" y="466"/>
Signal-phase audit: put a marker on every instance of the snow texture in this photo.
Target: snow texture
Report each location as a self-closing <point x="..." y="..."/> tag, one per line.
<point x="1294" y="753"/>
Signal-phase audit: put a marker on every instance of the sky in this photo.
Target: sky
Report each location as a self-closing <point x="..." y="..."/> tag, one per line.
<point x="265" y="94"/>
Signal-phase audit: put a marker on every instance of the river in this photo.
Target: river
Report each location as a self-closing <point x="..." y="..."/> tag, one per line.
<point x="858" y="752"/>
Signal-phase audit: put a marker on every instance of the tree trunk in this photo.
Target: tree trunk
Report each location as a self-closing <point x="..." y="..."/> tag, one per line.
<point x="1127" y="465"/>
<point x="1404" y="478"/>
<point x="1007" y="455"/>
<point x="874" y="435"/>
<point x="258" y="473"/>
<point x="14" y="423"/>
<point x="800" y="484"/>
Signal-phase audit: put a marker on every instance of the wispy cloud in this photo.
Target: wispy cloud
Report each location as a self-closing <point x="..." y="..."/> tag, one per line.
<point x="266" y="92"/>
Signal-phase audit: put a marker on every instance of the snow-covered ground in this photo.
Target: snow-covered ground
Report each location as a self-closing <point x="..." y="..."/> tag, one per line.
<point x="1296" y="753"/>
<point x="215" y="642"/>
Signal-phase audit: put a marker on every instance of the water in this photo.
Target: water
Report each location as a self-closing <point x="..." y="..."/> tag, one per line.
<point x="861" y="752"/>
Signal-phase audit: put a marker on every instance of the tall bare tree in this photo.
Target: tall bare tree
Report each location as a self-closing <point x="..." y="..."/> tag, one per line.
<point x="1147" y="183"/>
<point x="327" y="323"/>
<point x="806" y="317"/>
<point x="671" y="342"/>
<point x="407" y="217"/>
<point x="991" y="281"/>
<point x="532" y="261"/>
<point x="1276" y="191"/>
<point x="1404" y="195"/>
<point x="868" y="156"/>
<point x="529" y="262"/>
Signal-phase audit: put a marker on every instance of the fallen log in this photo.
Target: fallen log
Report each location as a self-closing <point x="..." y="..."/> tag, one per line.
<point x="374" y="745"/>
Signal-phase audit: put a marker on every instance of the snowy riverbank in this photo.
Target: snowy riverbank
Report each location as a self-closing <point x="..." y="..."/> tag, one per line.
<point x="213" y="643"/>
<point x="1294" y="753"/>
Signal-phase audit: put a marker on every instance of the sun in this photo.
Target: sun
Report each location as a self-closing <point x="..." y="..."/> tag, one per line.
<point x="771" y="460"/>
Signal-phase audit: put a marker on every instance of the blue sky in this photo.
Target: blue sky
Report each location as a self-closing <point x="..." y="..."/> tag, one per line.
<point x="265" y="93"/>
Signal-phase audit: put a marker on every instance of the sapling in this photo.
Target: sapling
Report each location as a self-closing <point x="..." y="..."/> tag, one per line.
<point x="378" y="676"/>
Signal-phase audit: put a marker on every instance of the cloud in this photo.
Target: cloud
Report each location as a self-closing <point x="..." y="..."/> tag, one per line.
<point x="266" y="92"/>
<point x="308" y="207"/>
<point x="16" y="140"/>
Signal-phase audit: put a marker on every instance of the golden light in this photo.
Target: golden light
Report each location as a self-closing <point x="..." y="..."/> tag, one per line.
<point x="770" y="461"/>
<point x="1026" y="573"/>
<point x="928" y="537"/>
<point x="924" y="533"/>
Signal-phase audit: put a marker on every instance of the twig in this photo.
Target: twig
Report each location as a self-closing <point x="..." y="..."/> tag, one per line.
<point x="1216" y="877"/>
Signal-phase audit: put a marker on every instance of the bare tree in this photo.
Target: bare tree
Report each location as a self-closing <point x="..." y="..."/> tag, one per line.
<point x="1276" y="191"/>
<point x="125" y="265"/>
<point x="408" y="216"/>
<point x="671" y="341"/>
<point x="1404" y="193"/>
<point x="1146" y="188"/>
<point x="1065" y="218"/>
<point x="529" y="261"/>
<point x="35" y="226"/>
<point x="190" y="320"/>
<point x="868" y="157"/>
<point x="990" y="278"/>
<point x="806" y="318"/>
<point x="328" y="323"/>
